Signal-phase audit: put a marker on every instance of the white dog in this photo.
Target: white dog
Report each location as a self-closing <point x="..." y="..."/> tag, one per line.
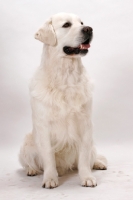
<point x="61" y="101"/>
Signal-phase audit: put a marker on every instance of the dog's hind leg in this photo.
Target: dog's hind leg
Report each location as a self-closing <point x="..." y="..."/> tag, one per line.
<point x="29" y="158"/>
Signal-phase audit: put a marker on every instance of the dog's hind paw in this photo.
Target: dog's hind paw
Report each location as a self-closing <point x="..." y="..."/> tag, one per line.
<point x="100" y="163"/>
<point x="31" y="172"/>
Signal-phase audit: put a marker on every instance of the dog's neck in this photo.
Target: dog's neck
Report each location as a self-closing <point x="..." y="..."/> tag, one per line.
<point x="61" y="70"/>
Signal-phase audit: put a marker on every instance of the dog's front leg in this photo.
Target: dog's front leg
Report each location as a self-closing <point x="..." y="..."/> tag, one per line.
<point x="42" y="138"/>
<point x="84" y="161"/>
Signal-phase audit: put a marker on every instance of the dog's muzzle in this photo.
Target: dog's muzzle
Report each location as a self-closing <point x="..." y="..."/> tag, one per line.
<point x="87" y="33"/>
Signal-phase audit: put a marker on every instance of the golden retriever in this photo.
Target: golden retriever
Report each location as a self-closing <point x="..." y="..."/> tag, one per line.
<point x="61" y="101"/>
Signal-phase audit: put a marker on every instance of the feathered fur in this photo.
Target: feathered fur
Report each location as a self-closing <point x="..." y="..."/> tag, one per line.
<point x="61" y="101"/>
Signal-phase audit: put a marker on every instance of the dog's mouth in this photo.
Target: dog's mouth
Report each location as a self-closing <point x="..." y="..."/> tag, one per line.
<point x="81" y="49"/>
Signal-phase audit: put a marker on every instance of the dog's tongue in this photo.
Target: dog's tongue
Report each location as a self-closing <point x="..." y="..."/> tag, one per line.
<point x="84" y="46"/>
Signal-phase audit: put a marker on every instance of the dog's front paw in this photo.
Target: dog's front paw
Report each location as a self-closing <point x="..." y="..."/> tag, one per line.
<point x="50" y="182"/>
<point x="89" y="182"/>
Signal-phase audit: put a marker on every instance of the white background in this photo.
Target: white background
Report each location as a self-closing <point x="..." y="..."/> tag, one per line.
<point x="109" y="63"/>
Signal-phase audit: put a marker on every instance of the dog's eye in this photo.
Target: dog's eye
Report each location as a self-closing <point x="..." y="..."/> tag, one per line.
<point x="82" y="23"/>
<point x="66" y="25"/>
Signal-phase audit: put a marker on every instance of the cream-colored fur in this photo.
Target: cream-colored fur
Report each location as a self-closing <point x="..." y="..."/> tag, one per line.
<point x="61" y="101"/>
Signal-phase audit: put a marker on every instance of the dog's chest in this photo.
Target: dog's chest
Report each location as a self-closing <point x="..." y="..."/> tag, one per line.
<point x="68" y="99"/>
<point x="64" y="99"/>
<point x="67" y="105"/>
<point x="66" y="91"/>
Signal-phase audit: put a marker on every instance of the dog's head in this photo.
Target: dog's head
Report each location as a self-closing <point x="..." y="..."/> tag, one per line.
<point x="67" y="33"/>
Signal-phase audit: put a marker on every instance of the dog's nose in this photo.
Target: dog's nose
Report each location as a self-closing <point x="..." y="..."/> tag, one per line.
<point x="87" y="29"/>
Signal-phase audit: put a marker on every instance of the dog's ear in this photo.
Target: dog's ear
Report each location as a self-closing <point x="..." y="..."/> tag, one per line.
<point x="46" y="34"/>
